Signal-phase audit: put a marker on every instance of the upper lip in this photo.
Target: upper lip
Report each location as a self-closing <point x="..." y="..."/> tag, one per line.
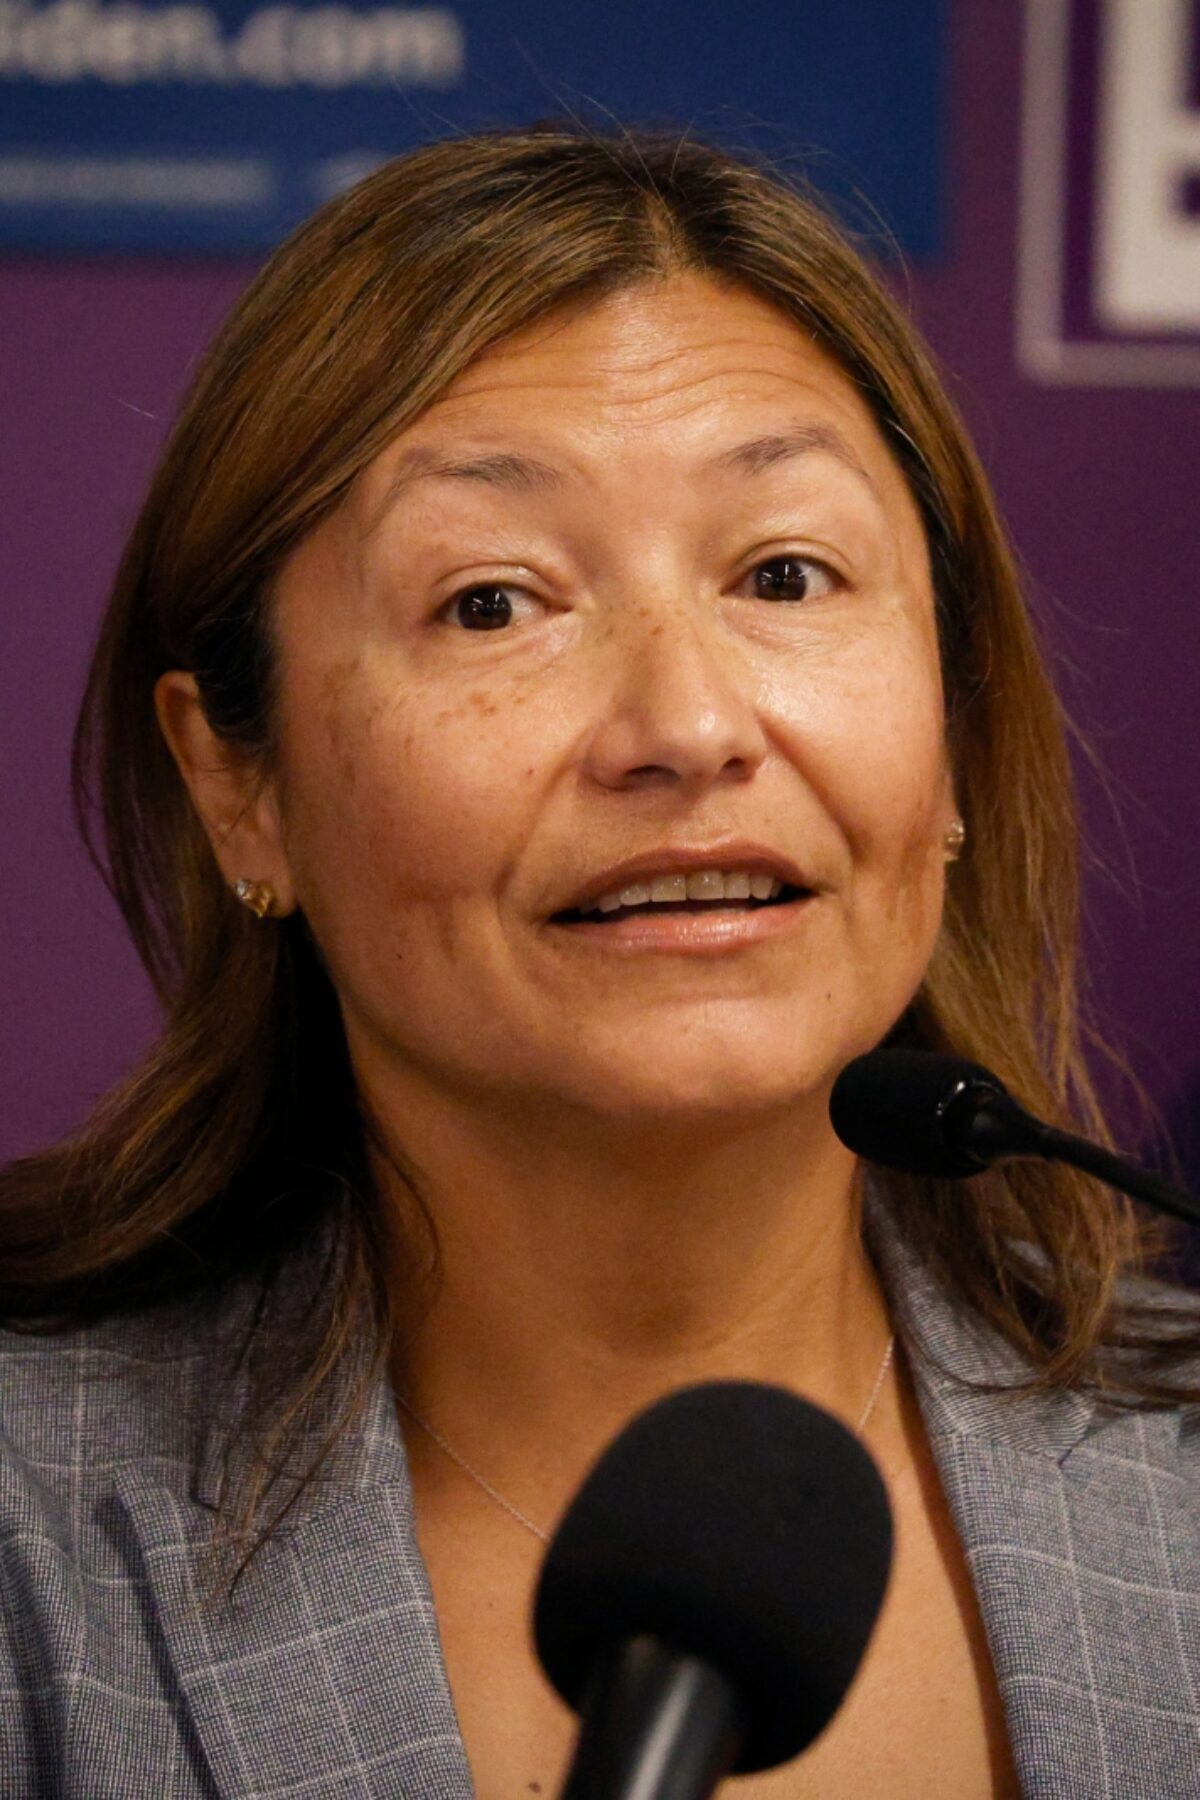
<point x="755" y="859"/>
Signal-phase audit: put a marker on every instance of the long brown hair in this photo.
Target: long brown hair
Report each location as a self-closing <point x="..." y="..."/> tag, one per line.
<point x="239" y="1135"/>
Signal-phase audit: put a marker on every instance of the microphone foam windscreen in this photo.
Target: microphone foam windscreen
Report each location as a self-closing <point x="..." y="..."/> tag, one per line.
<point x="891" y="1107"/>
<point x="740" y="1525"/>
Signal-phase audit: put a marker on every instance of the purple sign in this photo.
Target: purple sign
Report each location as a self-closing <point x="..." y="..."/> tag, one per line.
<point x="1109" y="291"/>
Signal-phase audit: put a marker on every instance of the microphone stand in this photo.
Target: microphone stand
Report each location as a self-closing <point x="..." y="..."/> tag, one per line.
<point x="657" y="1725"/>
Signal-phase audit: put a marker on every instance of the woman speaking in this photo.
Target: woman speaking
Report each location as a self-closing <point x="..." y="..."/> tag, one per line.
<point x="566" y="695"/>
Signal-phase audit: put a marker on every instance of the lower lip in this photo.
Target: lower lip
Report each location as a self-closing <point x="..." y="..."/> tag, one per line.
<point x="692" y="934"/>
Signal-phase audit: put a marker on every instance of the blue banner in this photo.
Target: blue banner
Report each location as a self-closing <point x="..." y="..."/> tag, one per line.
<point x="208" y="126"/>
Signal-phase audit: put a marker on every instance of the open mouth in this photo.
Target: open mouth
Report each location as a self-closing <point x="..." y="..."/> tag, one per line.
<point x="574" y="916"/>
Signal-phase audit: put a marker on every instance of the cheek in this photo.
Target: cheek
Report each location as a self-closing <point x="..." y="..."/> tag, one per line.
<point x="898" y="816"/>
<point x="871" y="719"/>
<point x="407" y="800"/>
<point x="873" y="739"/>
<point x="895" y="813"/>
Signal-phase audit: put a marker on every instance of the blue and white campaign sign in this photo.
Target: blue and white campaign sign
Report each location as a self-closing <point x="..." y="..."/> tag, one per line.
<point x="214" y="126"/>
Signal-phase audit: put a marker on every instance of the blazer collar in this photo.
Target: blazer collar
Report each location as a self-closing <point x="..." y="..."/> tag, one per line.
<point x="1050" y="1494"/>
<point x="953" y="1355"/>
<point x="323" y="1674"/>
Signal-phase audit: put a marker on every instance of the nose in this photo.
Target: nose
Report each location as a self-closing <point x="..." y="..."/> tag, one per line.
<point x="679" y="705"/>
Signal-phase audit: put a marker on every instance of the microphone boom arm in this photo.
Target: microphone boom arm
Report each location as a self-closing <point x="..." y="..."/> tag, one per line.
<point x="987" y="1123"/>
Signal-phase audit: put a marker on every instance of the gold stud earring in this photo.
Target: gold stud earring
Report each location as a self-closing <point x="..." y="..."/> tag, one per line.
<point x="259" y="896"/>
<point x="954" y="840"/>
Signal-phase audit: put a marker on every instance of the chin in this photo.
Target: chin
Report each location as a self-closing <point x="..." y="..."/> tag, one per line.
<point x="672" y="1090"/>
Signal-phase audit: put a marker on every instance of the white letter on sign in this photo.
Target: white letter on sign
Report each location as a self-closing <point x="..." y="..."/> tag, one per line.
<point x="1148" y="209"/>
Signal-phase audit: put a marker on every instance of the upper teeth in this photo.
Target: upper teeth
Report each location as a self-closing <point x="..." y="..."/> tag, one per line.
<point x="703" y="884"/>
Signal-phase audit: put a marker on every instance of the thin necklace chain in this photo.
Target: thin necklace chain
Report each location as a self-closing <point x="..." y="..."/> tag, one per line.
<point x="544" y="1536"/>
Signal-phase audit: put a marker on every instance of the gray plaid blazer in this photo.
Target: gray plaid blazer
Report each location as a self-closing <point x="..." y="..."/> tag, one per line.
<point x="325" y="1677"/>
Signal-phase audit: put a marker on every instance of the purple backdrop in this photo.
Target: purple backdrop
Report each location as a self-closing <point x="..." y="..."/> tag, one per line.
<point x="1098" y="484"/>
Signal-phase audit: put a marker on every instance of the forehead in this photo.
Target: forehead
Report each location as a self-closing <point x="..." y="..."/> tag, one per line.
<point x="653" y="346"/>
<point x="680" y="365"/>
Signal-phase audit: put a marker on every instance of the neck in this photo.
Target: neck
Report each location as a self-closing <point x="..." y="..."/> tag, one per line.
<point x="586" y="1268"/>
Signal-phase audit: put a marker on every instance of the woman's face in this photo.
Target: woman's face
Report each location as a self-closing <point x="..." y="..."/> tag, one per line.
<point x="645" y="584"/>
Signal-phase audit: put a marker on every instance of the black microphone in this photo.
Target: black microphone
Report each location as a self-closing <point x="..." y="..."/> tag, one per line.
<point x="927" y="1114"/>
<point x="709" y="1594"/>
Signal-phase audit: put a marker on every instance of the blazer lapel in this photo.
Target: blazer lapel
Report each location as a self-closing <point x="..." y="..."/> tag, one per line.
<point x="1079" y="1533"/>
<point x="1014" y="1523"/>
<point x="323" y="1675"/>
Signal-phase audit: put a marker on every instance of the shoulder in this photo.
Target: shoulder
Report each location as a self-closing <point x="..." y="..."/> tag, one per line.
<point x="975" y="1384"/>
<point x="166" y="1387"/>
<point x="83" y="1708"/>
<point x="76" y="1408"/>
<point x="74" y="1404"/>
<point x="1161" y="1439"/>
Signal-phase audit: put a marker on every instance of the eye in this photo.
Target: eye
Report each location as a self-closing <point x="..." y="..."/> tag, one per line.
<point x="488" y="606"/>
<point x="792" y="578"/>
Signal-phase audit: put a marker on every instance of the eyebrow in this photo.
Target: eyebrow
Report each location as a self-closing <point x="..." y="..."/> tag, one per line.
<point x="502" y="469"/>
<point x="763" y="453"/>
<point x="516" y="473"/>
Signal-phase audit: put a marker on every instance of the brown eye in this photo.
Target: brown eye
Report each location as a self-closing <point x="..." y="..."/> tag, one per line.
<point x="485" y="608"/>
<point x="790" y="578"/>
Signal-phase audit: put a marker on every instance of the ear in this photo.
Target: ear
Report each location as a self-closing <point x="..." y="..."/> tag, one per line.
<point x="237" y="806"/>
